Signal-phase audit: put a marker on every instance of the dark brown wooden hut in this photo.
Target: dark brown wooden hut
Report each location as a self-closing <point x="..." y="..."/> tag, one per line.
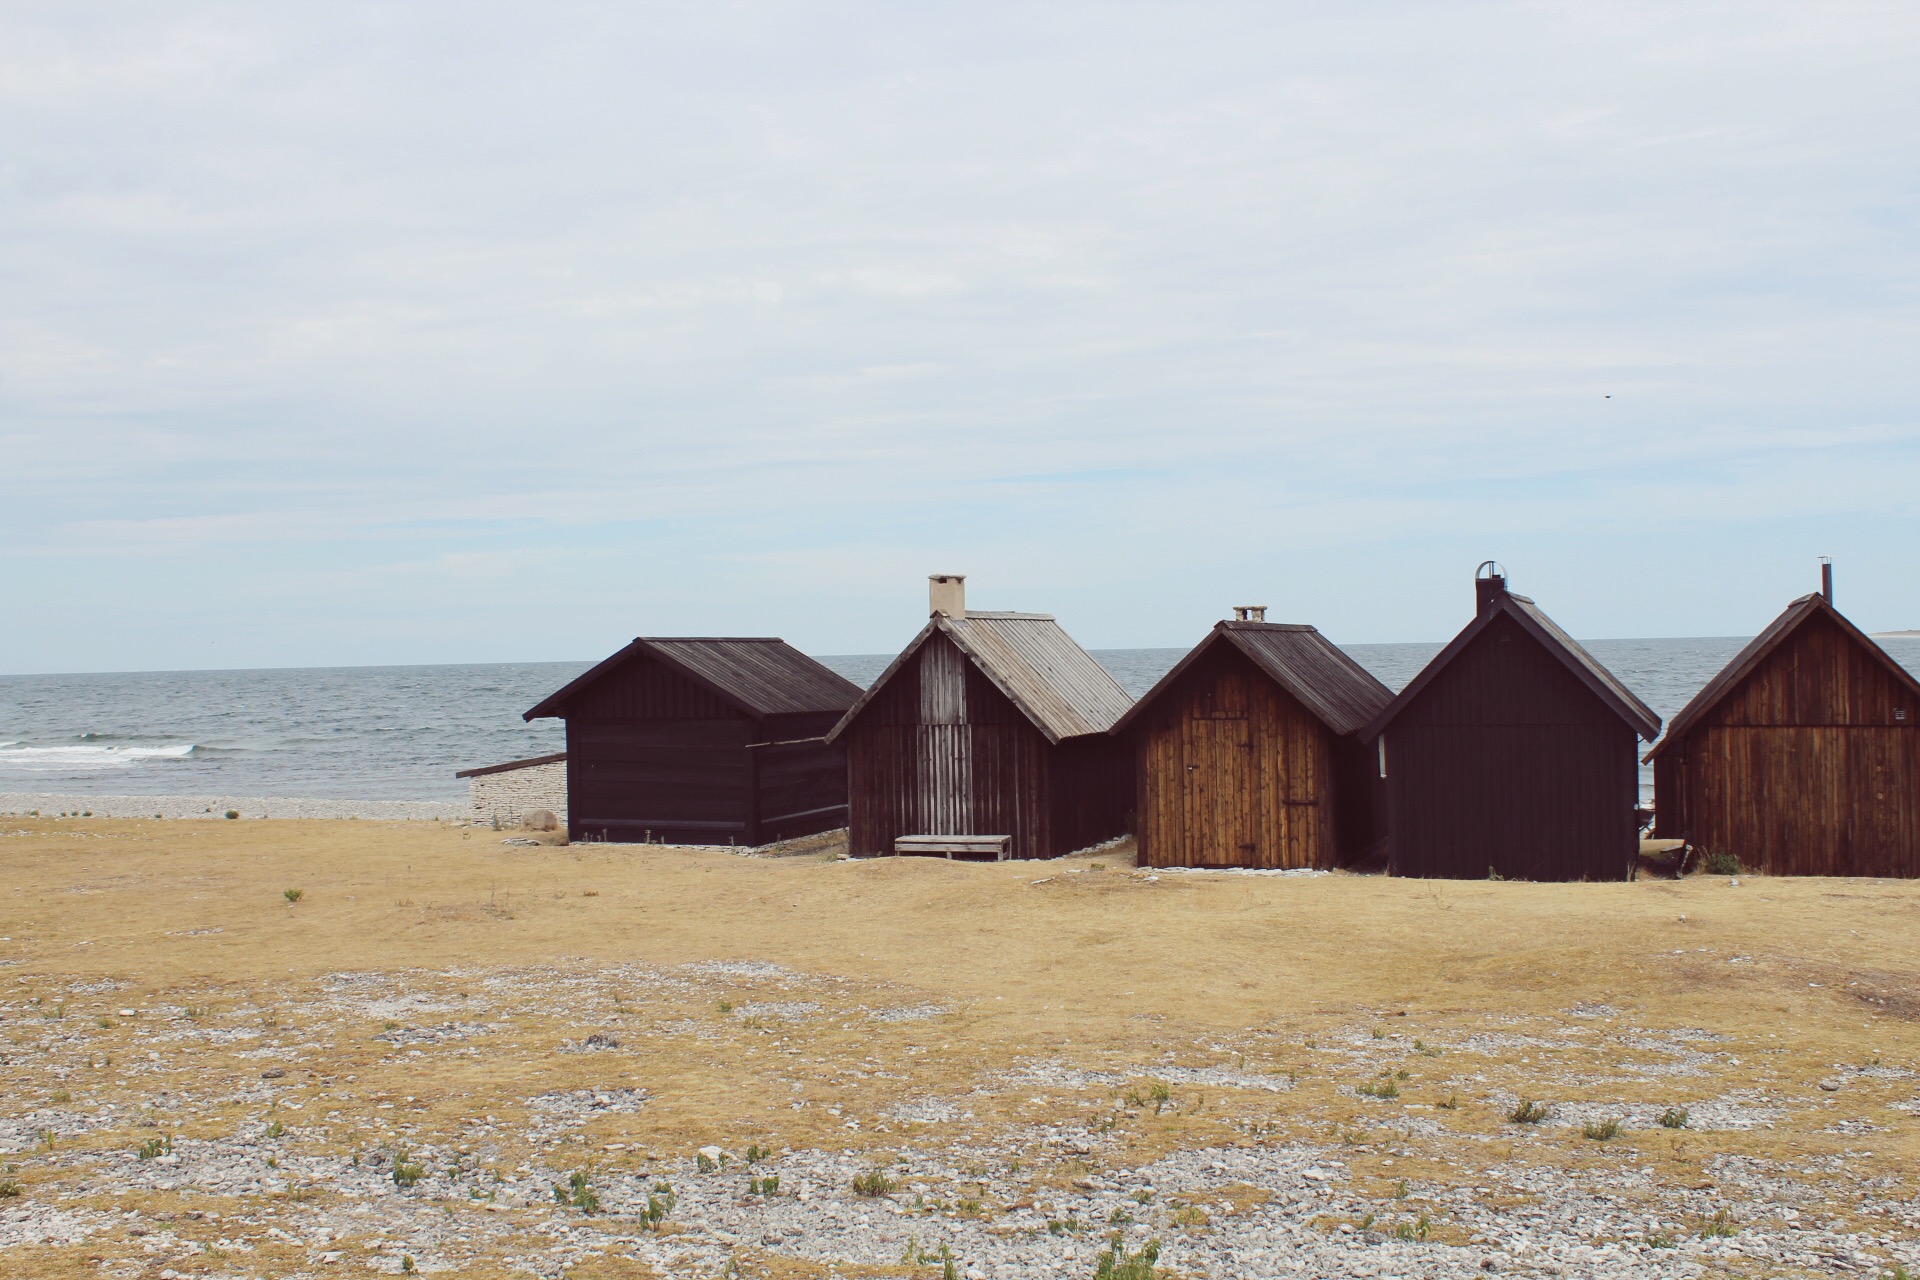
<point x="988" y="724"/>
<point x="1246" y="754"/>
<point x="703" y="741"/>
<point x="1512" y="753"/>
<point x="1802" y="757"/>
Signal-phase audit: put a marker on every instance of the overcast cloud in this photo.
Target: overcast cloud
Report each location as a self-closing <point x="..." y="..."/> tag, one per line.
<point x="352" y="333"/>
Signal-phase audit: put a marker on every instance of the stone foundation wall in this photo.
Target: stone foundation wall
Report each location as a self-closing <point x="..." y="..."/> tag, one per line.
<point x="507" y="796"/>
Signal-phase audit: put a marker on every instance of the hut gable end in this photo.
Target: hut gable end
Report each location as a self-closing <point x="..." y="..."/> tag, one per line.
<point x="1802" y="756"/>
<point x="1505" y="676"/>
<point x="1820" y="674"/>
<point x="987" y="724"/>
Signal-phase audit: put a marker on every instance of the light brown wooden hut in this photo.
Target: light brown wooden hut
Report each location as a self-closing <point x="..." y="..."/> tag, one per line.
<point x="1246" y="753"/>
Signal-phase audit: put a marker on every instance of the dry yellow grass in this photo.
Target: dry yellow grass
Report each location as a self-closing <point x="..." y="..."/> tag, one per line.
<point x="430" y="977"/>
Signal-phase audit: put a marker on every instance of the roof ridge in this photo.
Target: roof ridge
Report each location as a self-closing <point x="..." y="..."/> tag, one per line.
<point x="1002" y="613"/>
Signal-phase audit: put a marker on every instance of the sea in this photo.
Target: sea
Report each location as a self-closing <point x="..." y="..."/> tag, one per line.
<point x="401" y="733"/>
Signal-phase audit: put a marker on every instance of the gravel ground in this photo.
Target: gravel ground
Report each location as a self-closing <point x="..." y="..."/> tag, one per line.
<point x="198" y="1153"/>
<point x="48" y="804"/>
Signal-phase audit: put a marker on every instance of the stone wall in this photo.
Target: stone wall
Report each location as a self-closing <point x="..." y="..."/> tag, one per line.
<point x="504" y="797"/>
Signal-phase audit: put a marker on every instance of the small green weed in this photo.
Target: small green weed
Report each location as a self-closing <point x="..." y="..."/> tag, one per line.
<point x="153" y="1148"/>
<point x="233" y="813"/>
<point x="1721" y="863"/>
<point x="1115" y="1263"/>
<point x="660" y="1203"/>
<point x="405" y="1171"/>
<point x="578" y="1193"/>
<point x="1527" y="1111"/>
<point x="1673" y="1118"/>
<point x="1601" y="1130"/>
<point x="1719" y="1227"/>
<point x="293" y="895"/>
<point x="874" y="1182"/>
<point x="767" y="1186"/>
<point x="1160" y="1096"/>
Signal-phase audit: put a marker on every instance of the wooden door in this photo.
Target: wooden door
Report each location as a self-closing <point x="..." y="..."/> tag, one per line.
<point x="1219" y="792"/>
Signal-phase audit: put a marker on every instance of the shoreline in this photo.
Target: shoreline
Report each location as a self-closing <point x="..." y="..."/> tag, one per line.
<point x="20" y="804"/>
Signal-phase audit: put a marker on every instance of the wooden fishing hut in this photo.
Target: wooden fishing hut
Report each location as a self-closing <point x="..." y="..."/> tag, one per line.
<point x="1247" y="753"/>
<point x="1512" y="753"/>
<point x="987" y="725"/>
<point x="703" y="741"/>
<point x="1802" y="756"/>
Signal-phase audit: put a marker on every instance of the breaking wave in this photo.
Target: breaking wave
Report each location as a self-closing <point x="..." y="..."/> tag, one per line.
<point x="17" y="758"/>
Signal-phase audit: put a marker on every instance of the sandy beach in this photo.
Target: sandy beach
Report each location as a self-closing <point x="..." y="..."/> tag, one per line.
<point x="53" y="803"/>
<point x="312" y="1048"/>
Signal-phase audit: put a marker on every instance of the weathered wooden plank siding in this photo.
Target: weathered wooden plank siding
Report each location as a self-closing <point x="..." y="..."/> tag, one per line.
<point x="1508" y="763"/>
<point x="1233" y="772"/>
<point x="941" y="751"/>
<point x="1804" y="768"/>
<point x="682" y="780"/>
<point x="799" y="788"/>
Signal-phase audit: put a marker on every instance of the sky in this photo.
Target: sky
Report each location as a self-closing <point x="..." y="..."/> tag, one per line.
<point x="371" y="333"/>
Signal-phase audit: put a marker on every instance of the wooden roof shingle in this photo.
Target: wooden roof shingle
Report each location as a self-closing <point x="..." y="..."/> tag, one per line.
<point x="760" y="675"/>
<point x="1339" y="692"/>
<point x="1032" y="660"/>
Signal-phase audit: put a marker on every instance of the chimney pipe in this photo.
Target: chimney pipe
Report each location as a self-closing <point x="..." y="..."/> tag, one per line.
<point x="1249" y="613"/>
<point x="947" y="593"/>
<point x="1826" y="578"/>
<point x="1489" y="585"/>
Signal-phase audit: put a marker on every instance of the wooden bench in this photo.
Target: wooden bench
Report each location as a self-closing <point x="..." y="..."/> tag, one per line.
<point x="994" y="847"/>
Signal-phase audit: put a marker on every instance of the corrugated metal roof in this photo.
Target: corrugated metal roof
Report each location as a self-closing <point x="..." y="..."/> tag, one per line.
<point x="1756" y="652"/>
<point x="1029" y="657"/>
<point x="1585" y="667"/>
<point x="1339" y="692"/>
<point x="761" y="675"/>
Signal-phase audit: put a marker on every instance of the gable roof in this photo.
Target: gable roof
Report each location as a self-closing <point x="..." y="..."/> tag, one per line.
<point x="1339" y="692"/>
<point x="1586" y="668"/>
<point x="758" y="675"/>
<point x="1055" y="683"/>
<point x="1760" y="648"/>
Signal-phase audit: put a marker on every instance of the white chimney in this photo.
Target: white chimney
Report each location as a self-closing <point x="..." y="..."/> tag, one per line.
<point x="1249" y="613"/>
<point x="947" y="593"/>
